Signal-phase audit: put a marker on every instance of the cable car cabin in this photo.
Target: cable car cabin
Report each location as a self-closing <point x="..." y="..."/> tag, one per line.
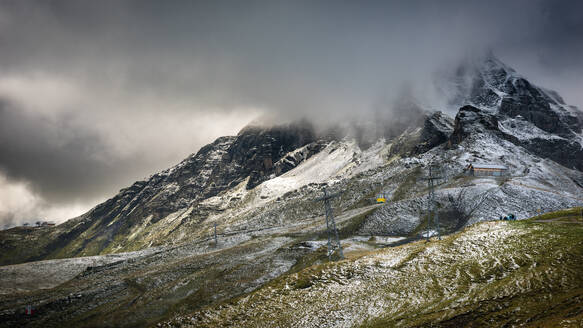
<point x="492" y="170"/>
<point x="382" y="197"/>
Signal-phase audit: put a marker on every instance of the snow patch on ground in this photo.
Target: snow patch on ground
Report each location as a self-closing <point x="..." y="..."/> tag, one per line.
<point x="523" y="129"/>
<point x="339" y="160"/>
<point x="50" y="273"/>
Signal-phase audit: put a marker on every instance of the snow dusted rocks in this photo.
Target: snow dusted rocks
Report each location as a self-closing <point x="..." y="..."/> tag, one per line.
<point x="171" y="197"/>
<point x="265" y="176"/>
<point x="437" y="129"/>
<point x="471" y="120"/>
<point x="259" y="187"/>
<point x="491" y="274"/>
<point x="502" y="102"/>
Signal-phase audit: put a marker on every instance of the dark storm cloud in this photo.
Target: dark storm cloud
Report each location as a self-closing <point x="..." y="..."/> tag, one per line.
<point x="558" y="38"/>
<point x="58" y="156"/>
<point x="99" y="93"/>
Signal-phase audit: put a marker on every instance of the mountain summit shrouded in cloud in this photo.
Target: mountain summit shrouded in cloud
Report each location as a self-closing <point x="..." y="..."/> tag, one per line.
<point x="95" y="95"/>
<point x="291" y="163"/>
<point x="235" y="233"/>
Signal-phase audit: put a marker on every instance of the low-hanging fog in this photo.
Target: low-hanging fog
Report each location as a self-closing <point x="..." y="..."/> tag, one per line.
<point x="97" y="94"/>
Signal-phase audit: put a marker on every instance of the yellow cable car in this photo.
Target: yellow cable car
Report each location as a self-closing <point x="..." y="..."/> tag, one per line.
<point x="381" y="198"/>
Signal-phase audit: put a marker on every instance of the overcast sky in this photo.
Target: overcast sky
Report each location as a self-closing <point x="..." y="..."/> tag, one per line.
<point x="97" y="94"/>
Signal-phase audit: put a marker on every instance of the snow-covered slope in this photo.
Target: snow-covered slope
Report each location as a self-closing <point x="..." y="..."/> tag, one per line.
<point x="532" y="117"/>
<point x="261" y="176"/>
<point x="258" y="190"/>
<point x="493" y="274"/>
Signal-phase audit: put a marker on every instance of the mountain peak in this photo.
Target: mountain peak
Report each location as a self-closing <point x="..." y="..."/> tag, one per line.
<point x="496" y="99"/>
<point x="491" y="63"/>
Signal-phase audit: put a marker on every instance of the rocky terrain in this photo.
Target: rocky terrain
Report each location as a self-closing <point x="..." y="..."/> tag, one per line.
<point x="490" y="275"/>
<point x="148" y="254"/>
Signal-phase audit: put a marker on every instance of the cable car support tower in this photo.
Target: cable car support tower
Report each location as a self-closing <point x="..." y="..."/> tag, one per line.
<point x="333" y="239"/>
<point x="431" y="204"/>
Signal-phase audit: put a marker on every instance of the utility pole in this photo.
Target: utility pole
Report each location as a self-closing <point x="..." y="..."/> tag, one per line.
<point x="431" y="208"/>
<point x="333" y="239"/>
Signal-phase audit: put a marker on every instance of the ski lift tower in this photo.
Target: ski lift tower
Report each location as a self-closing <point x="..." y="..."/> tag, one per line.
<point x="215" y="235"/>
<point x="434" y="174"/>
<point x="333" y="239"/>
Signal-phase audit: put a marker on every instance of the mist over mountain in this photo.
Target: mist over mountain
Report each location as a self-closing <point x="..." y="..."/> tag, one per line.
<point x="291" y="164"/>
<point x="103" y="94"/>
<point x="494" y="101"/>
<point x="199" y="242"/>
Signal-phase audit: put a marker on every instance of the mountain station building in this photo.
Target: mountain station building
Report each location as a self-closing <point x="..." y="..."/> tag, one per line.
<point x="487" y="170"/>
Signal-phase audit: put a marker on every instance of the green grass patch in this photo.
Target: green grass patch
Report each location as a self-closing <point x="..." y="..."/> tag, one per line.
<point x="570" y="212"/>
<point x="550" y="280"/>
<point x="531" y="276"/>
<point x="311" y="259"/>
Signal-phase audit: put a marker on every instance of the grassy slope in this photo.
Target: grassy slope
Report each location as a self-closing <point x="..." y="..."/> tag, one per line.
<point x="490" y="274"/>
<point x="571" y="214"/>
<point x="141" y="291"/>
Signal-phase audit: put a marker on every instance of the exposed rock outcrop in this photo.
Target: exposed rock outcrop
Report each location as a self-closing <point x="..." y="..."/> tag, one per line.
<point x="502" y="102"/>
<point x="255" y="155"/>
<point x="256" y="150"/>
<point x="436" y="129"/>
<point x="472" y="120"/>
<point x="177" y="201"/>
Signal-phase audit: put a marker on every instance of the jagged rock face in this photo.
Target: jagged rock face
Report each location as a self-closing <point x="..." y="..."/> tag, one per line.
<point x="294" y="158"/>
<point x="535" y="106"/>
<point x="258" y="150"/>
<point x="472" y="120"/>
<point x="498" y="103"/>
<point x="256" y="154"/>
<point x="534" y="111"/>
<point x="502" y="102"/>
<point x="435" y="130"/>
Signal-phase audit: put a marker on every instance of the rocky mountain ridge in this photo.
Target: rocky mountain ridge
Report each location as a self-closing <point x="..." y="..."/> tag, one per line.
<point x="257" y="189"/>
<point x="257" y="154"/>
<point x="182" y="199"/>
<point x="505" y="103"/>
